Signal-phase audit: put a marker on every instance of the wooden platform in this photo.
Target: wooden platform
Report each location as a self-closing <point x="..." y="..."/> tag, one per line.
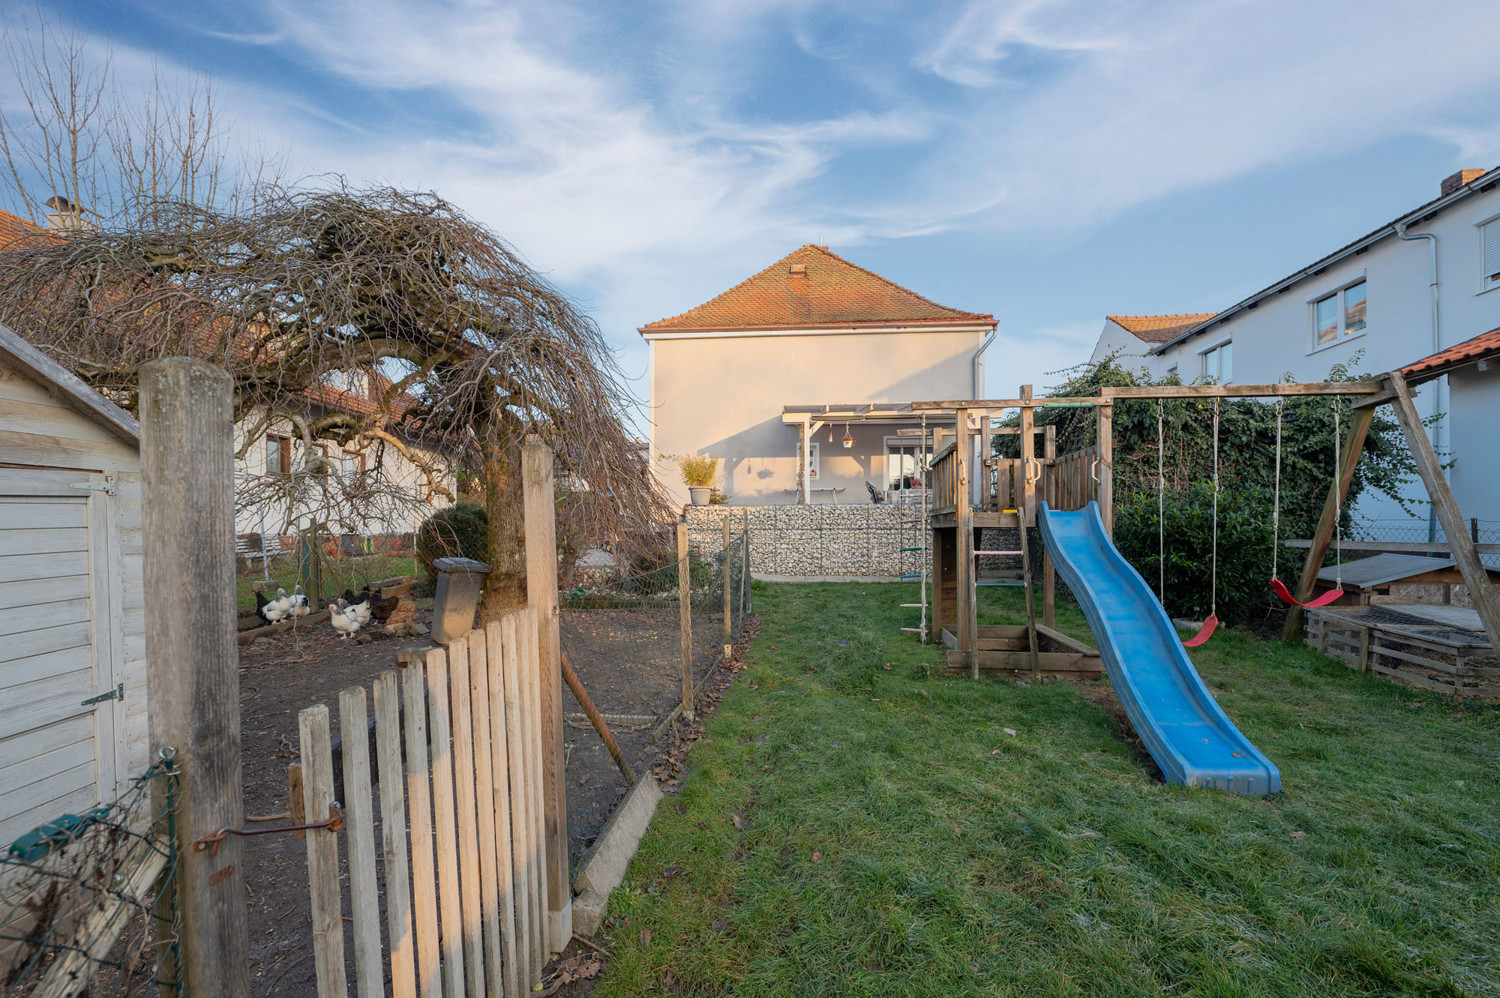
<point x="1003" y="651"/>
<point x="947" y="519"/>
<point x="1427" y="646"/>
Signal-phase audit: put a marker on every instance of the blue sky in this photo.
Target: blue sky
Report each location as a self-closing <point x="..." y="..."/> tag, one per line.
<point x="1049" y="162"/>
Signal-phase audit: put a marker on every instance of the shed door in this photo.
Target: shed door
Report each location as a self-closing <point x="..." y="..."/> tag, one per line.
<point x="57" y="754"/>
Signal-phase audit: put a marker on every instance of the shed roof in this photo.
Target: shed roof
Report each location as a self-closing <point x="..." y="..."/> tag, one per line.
<point x="812" y="286"/>
<point x="1383" y="569"/>
<point x="68" y="387"/>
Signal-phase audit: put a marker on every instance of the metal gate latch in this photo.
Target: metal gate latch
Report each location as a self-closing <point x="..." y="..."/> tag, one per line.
<point x="211" y="842"/>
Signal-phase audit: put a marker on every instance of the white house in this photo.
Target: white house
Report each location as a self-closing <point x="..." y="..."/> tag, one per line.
<point x="73" y="719"/>
<point x="799" y="380"/>
<point x="1411" y="288"/>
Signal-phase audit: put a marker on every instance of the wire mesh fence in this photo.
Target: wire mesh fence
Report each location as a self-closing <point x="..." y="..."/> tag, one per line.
<point x="1421" y="531"/>
<point x="78" y="897"/>
<point x="323" y="564"/>
<point x="625" y="639"/>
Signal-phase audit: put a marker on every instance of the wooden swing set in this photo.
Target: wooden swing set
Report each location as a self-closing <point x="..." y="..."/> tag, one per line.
<point x="972" y="490"/>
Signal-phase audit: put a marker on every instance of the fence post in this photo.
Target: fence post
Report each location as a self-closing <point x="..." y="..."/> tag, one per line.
<point x="193" y="680"/>
<point x="541" y="591"/>
<point x="728" y="614"/>
<point x="685" y="611"/>
<point x="745" y="565"/>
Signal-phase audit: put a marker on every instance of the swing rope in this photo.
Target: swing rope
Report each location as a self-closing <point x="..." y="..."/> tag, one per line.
<point x="1279" y="587"/>
<point x="1161" y="512"/>
<point x="1211" y="622"/>
<point x="1213" y="590"/>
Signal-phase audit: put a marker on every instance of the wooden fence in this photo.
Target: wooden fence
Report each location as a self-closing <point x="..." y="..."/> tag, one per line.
<point x="464" y="906"/>
<point x="1069" y="482"/>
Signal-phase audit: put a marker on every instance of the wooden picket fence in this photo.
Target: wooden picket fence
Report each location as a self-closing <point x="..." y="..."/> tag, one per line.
<point x="464" y="902"/>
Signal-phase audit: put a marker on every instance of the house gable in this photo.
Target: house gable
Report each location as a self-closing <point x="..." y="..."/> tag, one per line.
<point x="812" y="287"/>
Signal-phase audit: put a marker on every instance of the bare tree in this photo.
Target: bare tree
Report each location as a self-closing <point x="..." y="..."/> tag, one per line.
<point x="480" y="351"/>
<point x="82" y="145"/>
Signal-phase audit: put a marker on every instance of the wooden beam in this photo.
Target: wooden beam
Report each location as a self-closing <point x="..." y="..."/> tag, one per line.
<point x="1105" y="488"/>
<point x="192" y="671"/>
<point x="952" y="405"/>
<point x="1353" y="446"/>
<point x="1483" y="595"/>
<point x="540" y="503"/>
<point x="968" y="620"/>
<point x="685" y="618"/>
<point x="1281" y="390"/>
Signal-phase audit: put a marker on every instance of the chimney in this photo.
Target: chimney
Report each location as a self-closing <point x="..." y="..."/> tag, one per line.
<point x="65" y="215"/>
<point x="798" y="269"/>
<point x="1459" y="179"/>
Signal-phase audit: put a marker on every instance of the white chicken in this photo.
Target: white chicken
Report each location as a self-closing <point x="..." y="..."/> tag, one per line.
<point x="362" y="611"/>
<point x="344" y="620"/>
<point x="279" y="608"/>
<point x="299" y="607"/>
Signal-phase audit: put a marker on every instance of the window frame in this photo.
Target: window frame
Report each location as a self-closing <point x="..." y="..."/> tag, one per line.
<point x="1487" y="282"/>
<point x="1342" y="335"/>
<point x="1214" y="348"/>
<point x="284" y="455"/>
<point x="812" y="462"/>
<point x="900" y="445"/>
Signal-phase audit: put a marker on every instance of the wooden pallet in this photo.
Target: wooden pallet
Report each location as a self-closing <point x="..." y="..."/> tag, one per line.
<point x="1406" y="648"/>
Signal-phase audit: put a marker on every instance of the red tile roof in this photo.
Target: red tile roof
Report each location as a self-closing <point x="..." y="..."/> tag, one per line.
<point x="16" y="230"/>
<point x="1481" y="347"/>
<point x="813" y="287"/>
<point x="1159" y="328"/>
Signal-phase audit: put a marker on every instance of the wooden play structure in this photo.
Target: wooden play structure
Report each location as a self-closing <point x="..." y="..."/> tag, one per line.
<point x="972" y="492"/>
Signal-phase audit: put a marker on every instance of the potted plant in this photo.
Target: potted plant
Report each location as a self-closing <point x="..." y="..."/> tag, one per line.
<point x="698" y="474"/>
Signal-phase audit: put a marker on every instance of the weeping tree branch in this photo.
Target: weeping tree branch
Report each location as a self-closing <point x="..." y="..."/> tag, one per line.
<point x="466" y="348"/>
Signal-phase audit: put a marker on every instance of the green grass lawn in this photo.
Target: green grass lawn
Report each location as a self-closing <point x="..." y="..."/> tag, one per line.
<point x="338" y="574"/>
<point x="848" y="829"/>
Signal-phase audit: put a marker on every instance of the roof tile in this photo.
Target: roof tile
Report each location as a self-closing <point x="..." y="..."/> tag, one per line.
<point x="1478" y="348"/>
<point x="813" y="287"/>
<point x="1159" y="328"/>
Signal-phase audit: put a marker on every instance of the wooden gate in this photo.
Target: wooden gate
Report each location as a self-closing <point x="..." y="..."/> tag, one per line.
<point x="457" y="747"/>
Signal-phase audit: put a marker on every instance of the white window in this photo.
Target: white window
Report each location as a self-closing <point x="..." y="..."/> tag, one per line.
<point x="902" y="470"/>
<point x="1489" y="255"/>
<point x="1218" y="363"/>
<point x="812" y="463"/>
<point x="1339" y="314"/>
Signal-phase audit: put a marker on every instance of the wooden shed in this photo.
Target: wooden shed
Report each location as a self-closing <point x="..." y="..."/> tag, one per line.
<point x="73" y="719"/>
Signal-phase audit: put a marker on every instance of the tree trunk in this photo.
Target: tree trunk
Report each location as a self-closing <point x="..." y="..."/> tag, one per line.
<point x="505" y="587"/>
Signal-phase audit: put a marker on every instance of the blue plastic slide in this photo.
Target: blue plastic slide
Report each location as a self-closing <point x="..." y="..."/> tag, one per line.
<point x="1184" y="728"/>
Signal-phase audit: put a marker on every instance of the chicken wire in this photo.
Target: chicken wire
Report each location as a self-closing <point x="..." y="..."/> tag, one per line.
<point x="79" y="910"/>
<point x="623" y="637"/>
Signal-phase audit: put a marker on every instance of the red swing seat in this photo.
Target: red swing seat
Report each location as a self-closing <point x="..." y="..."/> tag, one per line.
<point x="1210" y="624"/>
<point x="1322" y="599"/>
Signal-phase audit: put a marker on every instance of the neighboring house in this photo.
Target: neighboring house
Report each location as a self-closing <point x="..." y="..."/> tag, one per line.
<point x="1413" y="287"/>
<point x="384" y="488"/>
<point x="813" y="350"/>
<point x="72" y="600"/>
<point x="279" y="452"/>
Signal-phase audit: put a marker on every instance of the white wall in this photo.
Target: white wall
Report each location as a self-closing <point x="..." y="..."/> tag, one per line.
<point x="723" y="395"/>
<point x="1277" y="338"/>
<point x="395" y="469"/>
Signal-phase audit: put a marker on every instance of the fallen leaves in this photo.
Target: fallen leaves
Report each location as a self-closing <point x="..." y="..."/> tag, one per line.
<point x="737" y="818"/>
<point x="1009" y="731"/>
<point x="817" y="857"/>
<point x="578" y="967"/>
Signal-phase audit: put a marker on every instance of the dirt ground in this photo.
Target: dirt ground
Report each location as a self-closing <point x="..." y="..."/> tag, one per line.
<point x="629" y="664"/>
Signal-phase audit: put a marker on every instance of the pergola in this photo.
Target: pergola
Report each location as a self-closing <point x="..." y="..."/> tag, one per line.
<point x="809" y="419"/>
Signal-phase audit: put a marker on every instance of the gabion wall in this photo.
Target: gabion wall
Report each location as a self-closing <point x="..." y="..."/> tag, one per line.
<point x="817" y="541"/>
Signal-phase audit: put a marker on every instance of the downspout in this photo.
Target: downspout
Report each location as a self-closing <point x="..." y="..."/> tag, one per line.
<point x="1438" y="426"/>
<point x="978" y="357"/>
